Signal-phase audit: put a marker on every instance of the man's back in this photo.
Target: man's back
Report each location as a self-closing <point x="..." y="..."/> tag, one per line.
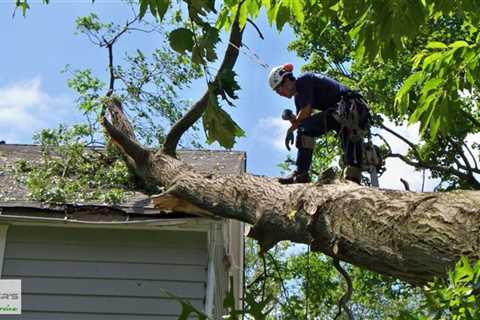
<point x="320" y="92"/>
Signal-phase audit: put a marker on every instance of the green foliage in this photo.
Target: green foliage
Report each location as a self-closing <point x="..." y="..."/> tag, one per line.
<point x="445" y="71"/>
<point x="325" y="40"/>
<point x="69" y="171"/>
<point x="218" y="124"/>
<point x="458" y="297"/>
<point x="89" y="89"/>
<point x="292" y="278"/>
<point x="182" y="40"/>
<point x="436" y="41"/>
<point x="147" y="85"/>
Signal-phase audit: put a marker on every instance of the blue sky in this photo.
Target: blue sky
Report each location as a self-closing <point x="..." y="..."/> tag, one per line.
<point x="34" y="94"/>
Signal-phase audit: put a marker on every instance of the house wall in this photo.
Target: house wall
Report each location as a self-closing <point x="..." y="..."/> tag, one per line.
<point x="226" y="241"/>
<point x="93" y="273"/>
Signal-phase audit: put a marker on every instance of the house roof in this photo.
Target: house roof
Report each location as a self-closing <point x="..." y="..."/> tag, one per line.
<point x="14" y="199"/>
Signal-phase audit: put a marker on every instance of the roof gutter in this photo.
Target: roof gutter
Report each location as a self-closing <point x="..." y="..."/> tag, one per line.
<point x="67" y="220"/>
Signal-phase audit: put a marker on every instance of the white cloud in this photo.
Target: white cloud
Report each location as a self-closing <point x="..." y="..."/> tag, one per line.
<point x="396" y="168"/>
<point x="26" y="108"/>
<point x="271" y="131"/>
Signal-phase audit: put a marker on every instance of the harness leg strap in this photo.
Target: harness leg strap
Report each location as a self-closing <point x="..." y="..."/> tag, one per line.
<point x="307" y="142"/>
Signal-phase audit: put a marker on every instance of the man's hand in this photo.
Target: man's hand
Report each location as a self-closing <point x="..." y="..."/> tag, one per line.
<point x="289" y="139"/>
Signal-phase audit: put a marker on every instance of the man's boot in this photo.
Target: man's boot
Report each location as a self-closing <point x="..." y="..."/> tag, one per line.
<point x="295" y="177"/>
<point x="353" y="174"/>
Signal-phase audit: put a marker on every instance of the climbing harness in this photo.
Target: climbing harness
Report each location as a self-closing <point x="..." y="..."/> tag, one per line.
<point x="352" y="113"/>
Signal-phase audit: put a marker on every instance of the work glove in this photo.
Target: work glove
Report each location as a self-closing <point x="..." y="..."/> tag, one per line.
<point x="287" y="114"/>
<point x="289" y="139"/>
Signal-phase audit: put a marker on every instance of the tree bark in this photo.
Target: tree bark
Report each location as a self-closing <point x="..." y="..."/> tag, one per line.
<point x="409" y="235"/>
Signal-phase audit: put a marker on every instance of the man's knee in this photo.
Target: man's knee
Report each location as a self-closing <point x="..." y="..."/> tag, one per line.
<point x="353" y="173"/>
<point x="306" y="142"/>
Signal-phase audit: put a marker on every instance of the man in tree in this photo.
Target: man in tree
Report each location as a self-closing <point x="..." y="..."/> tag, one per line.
<point x="341" y="110"/>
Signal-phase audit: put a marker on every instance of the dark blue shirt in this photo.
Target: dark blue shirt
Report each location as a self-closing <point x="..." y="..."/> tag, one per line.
<point x="320" y="92"/>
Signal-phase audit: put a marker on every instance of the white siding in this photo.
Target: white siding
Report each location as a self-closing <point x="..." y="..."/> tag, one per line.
<point x="82" y="273"/>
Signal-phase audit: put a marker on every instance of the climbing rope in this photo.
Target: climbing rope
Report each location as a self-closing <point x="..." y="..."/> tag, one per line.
<point x="251" y="54"/>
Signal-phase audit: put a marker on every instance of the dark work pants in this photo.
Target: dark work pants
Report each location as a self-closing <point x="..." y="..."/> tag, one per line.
<point x="316" y="126"/>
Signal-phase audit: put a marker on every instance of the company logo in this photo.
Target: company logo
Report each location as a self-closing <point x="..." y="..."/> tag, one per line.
<point x="10" y="297"/>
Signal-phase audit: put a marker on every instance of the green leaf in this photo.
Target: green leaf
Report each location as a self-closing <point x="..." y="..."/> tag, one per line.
<point x="282" y="16"/>
<point x="297" y="7"/>
<point x="227" y="83"/>
<point x="459" y="44"/>
<point x="411" y="81"/>
<point x="143" y="8"/>
<point x="162" y="7"/>
<point x="153" y="7"/>
<point x="218" y="124"/>
<point x="181" y="40"/>
<point x="436" y="45"/>
<point x="431" y="84"/>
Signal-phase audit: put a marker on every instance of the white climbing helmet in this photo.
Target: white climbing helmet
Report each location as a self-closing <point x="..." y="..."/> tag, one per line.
<point x="276" y="75"/>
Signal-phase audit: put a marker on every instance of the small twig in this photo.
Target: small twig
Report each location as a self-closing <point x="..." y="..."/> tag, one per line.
<point x="384" y="141"/>
<point x="423" y="180"/>
<point x="256" y="280"/>
<point x="405" y="184"/>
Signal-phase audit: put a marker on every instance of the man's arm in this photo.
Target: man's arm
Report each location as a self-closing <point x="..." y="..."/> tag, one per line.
<point x="304" y="113"/>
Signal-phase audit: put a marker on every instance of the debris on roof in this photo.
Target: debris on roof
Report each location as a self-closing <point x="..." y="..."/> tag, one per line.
<point x="14" y="195"/>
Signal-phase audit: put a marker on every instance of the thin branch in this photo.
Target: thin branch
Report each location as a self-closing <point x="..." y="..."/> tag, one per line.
<point x="95" y="41"/>
<point x="471" y="155"/>
<point x="460" y="152"/>
<point x="110" y="68"/>
<point x="411" y="144"/>
<point x="423" y="180"/>
<point x="256" y="28"/>
<point x="405" y="184"/>
<point x="449" y="170"/>
<point x="384" y="141"/>
<point x="284" y="290"/>
<point x="342" y="303"/>
<point x="196" y="111"/>
<point x="125" y="29"/>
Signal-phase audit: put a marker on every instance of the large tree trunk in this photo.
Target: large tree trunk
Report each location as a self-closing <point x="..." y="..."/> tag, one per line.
<point x="408" y="235"/>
